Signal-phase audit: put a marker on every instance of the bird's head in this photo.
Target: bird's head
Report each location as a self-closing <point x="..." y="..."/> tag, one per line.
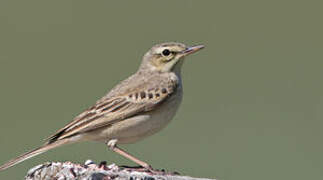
<point x="167" y="57"/>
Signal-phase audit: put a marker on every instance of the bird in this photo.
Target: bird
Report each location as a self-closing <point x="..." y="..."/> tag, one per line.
<point x="137" y="107"/>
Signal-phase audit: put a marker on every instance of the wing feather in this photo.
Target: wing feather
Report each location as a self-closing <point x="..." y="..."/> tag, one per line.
<point x="111" y="110"/>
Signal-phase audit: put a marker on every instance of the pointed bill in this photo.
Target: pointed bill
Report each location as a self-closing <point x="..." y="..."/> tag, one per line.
<point x="192" y="49"/>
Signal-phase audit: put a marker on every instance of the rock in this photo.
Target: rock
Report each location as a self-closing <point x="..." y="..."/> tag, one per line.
<point x="92" y="171"/>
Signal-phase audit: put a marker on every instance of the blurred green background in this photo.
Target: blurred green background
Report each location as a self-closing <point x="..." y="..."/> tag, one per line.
<point x="253" y="103"/>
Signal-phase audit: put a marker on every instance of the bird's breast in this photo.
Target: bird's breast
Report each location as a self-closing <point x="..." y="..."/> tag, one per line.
<point x="142" y="125"/>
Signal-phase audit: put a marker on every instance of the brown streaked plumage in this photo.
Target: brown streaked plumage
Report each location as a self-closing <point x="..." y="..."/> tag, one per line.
<point x="137" y="107"/>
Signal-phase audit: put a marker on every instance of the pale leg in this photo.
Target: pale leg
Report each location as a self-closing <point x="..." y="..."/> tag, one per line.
<point x="112" y="144"/>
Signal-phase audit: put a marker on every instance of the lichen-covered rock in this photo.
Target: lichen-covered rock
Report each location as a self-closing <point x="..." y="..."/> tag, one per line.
<point x="92" y="171"/>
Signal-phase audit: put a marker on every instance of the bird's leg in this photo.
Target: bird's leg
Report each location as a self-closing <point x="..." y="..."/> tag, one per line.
<point x="112" y="145"/>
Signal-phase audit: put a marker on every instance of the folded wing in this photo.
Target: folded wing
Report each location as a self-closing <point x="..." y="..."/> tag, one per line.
<point x="114" y="109"/>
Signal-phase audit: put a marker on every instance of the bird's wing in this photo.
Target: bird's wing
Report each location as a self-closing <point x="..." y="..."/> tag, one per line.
<point x="114" y="109"/>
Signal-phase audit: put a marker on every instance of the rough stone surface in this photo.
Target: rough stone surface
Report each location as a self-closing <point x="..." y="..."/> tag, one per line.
<point x="91" y="171"/>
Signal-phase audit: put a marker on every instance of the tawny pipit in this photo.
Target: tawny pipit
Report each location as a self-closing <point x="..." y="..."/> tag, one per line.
<point x="137" y="107"/>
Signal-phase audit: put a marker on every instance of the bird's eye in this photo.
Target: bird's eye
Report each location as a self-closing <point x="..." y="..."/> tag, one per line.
<point x="166" y="52"/>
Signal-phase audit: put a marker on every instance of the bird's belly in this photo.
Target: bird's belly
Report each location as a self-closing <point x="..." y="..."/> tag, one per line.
<point x="140" y="126"/>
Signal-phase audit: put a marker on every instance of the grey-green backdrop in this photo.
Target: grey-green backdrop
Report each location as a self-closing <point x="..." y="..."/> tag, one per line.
<point x="253" y="102"/>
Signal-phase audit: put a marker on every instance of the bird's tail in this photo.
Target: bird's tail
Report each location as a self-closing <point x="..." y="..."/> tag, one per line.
<point x="33" y="153"/>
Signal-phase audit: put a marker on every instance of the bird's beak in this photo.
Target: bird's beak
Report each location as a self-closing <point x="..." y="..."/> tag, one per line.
<point x="192" y="49"/>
